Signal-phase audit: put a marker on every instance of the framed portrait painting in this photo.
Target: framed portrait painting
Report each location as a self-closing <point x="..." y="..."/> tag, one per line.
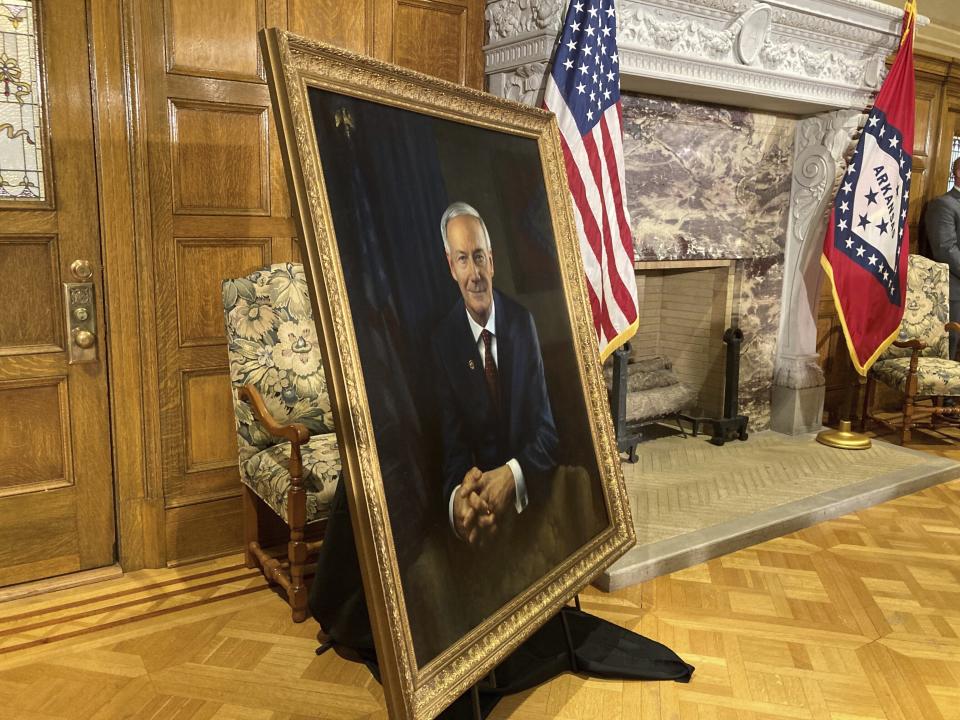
<point x="481" y="471"/>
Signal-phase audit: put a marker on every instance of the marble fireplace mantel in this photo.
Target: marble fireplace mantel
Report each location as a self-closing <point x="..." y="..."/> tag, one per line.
<point x="817" y="63"/>
<point x="794" y="56"/>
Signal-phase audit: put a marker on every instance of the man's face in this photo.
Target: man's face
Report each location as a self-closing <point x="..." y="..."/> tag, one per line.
<point x="471" y="265"/>
<point x="956" y="172"/>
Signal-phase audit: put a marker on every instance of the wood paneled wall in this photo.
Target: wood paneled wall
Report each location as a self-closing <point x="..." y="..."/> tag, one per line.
<point x="213" y="204"/>
<point x="937" y="113"/>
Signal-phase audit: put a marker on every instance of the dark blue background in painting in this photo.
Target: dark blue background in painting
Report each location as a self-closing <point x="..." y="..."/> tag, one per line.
<point x="390" y="174"/>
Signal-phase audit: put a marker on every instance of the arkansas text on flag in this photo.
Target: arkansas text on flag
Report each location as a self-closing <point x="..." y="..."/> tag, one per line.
<point x="583" y="90"/>
<point x="866" y="244"/>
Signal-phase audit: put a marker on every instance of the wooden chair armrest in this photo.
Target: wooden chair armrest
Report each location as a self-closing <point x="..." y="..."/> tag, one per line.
<point x="955" y="327"/>
<point x="913" y="344"/>
<point x="296" y="433"/>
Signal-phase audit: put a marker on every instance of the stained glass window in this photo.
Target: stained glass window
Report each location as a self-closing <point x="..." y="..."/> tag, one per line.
<point x="21" y="156"/>
<point x="954" y="154"/>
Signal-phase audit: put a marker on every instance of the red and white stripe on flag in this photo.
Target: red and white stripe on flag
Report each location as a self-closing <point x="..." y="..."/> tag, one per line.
<point x="583" y="90"/>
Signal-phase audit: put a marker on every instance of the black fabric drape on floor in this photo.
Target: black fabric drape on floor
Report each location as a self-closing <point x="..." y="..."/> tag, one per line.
<point x="595" y="647"/>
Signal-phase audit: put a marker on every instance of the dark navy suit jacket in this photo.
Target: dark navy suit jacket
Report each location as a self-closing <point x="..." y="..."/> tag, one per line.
<point x="943" y="231"/>
<point x="474" y="432"/>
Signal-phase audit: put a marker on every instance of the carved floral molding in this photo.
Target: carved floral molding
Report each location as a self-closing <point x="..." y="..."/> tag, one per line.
<point x="510" y="18"/>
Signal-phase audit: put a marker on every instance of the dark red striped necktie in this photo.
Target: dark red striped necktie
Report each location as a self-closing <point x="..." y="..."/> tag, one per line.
<point x="490" y="369"/>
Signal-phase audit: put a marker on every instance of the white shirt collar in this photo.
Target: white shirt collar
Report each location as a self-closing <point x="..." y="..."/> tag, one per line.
<point x="491" y="324"/>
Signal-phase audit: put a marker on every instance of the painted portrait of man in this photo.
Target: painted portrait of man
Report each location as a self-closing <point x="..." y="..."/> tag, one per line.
<point x="483" y="439"/>
<point x="499" y="436"/>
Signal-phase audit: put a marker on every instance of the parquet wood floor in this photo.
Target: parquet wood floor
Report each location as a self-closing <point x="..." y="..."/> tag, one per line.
<point x="857" y="618"/>
<point x="943" y="441"/>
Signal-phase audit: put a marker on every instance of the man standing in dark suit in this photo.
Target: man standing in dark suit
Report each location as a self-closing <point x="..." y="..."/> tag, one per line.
<point x="499" y="437"/>
<point x="943" y="231"/>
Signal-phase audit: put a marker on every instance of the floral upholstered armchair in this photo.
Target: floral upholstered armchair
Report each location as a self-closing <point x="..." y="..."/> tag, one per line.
<point x="288" y="453"/>
<point x="917" y="363"/>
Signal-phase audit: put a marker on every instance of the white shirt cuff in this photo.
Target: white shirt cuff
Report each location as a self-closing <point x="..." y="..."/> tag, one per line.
<point x="453" y="495"/>
<point x="520" y="499"/>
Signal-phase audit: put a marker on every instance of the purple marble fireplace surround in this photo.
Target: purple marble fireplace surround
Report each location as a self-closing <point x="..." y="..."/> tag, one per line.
<point x="706" y="182"/>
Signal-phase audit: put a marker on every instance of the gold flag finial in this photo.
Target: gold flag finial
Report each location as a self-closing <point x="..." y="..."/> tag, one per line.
<point x="909" y="19"/>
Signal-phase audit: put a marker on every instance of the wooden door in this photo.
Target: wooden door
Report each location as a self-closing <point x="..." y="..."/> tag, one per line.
<point x="56" y="497"/>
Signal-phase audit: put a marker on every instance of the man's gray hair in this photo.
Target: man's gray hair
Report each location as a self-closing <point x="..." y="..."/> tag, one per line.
<point x="456" y="209"/>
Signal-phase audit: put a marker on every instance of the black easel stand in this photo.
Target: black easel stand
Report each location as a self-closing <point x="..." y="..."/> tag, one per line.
<point x="571" y="641"/>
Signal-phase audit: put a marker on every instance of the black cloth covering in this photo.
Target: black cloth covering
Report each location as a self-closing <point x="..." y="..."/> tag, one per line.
<point x="336" y="598"/>
<point x="594" y="646"/>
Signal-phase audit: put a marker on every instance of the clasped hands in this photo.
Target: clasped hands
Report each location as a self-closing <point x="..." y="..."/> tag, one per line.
<point x="480" y="502"/>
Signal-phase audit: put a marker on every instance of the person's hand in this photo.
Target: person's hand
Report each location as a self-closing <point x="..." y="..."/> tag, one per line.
<point x="497" y="490"/>
<point x="471" y="513"/>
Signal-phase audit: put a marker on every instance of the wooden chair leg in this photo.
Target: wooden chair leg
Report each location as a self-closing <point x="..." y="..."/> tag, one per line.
<point x="250" y="527"/>
<point x="867" y="402"/>
<point x="908" y="409"/>
<point x="905" y="434"/>
<point x="297" y="548"/>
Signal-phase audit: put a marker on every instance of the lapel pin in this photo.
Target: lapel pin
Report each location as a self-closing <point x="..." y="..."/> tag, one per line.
<point x="470" y="364"/>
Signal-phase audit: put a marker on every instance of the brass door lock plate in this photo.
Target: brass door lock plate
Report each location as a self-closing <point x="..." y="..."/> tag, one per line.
<point x="81" y="322"/>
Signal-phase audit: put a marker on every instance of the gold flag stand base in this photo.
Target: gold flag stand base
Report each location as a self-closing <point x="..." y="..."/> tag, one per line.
<point x="844" y="438"/>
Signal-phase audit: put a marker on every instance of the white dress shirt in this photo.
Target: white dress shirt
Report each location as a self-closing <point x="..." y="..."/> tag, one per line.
<point x="520" y="495"/>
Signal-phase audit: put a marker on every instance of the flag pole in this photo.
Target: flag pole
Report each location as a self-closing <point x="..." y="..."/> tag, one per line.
<point x="844" y="437"/>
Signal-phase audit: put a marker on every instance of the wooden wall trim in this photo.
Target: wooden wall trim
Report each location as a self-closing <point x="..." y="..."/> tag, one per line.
<point x="128" y="280"/>
<point x="945" y="73"/>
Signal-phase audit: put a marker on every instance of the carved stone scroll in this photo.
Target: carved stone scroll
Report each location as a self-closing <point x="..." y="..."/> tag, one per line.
<point x="819" y="148"/>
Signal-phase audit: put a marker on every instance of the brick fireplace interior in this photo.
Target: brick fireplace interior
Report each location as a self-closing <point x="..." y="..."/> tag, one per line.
<point x="685" y="306"/>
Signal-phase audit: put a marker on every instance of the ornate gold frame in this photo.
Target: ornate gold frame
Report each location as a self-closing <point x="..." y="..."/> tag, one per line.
<point x="293" y="65"/>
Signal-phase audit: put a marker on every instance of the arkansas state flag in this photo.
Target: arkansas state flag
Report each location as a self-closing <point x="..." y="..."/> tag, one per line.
<point x="867" y="240"/>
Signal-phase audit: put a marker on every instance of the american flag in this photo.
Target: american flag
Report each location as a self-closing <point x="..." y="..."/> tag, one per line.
<point x="583" y="90"/>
